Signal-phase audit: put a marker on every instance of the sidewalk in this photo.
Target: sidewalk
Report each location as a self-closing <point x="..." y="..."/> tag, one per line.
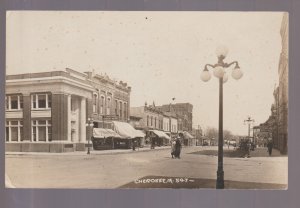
<point x="263" y="152"/>
<point x="92" y="152"/>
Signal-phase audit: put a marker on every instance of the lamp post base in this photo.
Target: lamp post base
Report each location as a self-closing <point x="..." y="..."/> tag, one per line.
<point x="220" y="179"/>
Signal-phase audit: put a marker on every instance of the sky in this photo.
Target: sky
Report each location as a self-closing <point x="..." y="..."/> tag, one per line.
<point x="159" y="54"/>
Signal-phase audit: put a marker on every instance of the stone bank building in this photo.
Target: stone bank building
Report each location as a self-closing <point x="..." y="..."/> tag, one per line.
<point x="49" y="111"/>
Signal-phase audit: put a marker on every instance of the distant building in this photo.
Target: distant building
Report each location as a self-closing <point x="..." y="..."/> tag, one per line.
<point x="48" y="111"/>
<point x="157" y="126"/>
<point x="184" y="112"/>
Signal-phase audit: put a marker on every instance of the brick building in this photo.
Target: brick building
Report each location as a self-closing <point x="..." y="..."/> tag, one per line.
<point x="48" y="111"/>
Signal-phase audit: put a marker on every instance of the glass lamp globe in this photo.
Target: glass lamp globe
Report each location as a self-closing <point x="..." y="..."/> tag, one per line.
<point x="205" y="75"/>
<point x="218" y="71"/>
<point x="225" y="78"/>
<point x="222" y="51"/>
<point x="237" y="73"/>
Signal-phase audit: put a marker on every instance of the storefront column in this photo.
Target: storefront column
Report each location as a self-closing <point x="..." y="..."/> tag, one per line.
<point x="69" y="117"/>
<point x="26" y="117"/>
<point x="59" y="114"/>
<point x="83" y="120"/>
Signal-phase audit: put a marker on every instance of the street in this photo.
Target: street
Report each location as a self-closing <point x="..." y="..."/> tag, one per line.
<point x="79" y="170"/>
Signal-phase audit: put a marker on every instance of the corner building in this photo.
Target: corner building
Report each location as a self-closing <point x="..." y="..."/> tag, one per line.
<point x="48" y="111"/>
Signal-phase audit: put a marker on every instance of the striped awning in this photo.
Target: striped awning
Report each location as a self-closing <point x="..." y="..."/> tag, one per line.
<point x="160" y="134"/>
<point x="104" y="133"/>
<point x="125" y="130"/>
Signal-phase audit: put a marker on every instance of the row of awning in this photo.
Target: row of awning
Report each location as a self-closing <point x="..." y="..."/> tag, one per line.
<point x="126" y="131"/>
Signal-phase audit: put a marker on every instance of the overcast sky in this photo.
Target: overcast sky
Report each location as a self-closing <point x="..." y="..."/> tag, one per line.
<point x="159" y="54"/>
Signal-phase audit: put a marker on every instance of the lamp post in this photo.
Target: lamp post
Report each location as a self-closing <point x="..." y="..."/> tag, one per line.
<point x="89" y="124"/>
<point x="249" y="121"/>
<point x="219" y="72"/>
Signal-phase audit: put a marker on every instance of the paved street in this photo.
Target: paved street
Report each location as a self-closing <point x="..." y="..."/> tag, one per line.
<point x="99" y="170"/>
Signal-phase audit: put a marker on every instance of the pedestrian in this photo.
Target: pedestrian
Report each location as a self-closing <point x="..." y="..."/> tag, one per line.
<point x="152" y="143"/>
<point x="133" y="144"/>
<point x="270" y="146"/>
<point x="173" y="143"/>
<point x="177" y="149"/>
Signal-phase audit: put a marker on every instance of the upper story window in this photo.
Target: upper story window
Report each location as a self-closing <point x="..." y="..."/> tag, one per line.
<point x="125" y="111"/>
<point x="108" y="106"/>
<point x="121" y="110"/>
<point x="102" y="100"/>
<point x="41" y="101"/>
<point x="14" y="102"/>
<point x="151" y="121"/>
<point x="147" y="120"/>
<point x="116" y="107"/>
<point x="155" y="122"/>
<point x="95" y="102"/>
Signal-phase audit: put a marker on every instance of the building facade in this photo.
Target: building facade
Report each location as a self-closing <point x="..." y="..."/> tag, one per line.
<point x="154" y="119"/>
<point x="283" y="88"/>
<point x="48" y="111"/>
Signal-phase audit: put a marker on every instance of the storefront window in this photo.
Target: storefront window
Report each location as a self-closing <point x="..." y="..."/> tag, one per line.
<point x="14" y="131"/>
<point x="41" y="130"/>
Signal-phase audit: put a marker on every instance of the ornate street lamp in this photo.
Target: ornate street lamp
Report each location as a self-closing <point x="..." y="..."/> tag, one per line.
<point x="89" y="124"/>
<point x="249" y="121"/>
<point x="219" y="72"/>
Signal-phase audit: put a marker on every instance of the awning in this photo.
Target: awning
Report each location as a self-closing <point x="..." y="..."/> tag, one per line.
<point x="187" y="135"/>
<point x="160" y="134"/>
<point x="140" y="133"/>
<point x="104" y="133"/>
<point x="125" y="130"/>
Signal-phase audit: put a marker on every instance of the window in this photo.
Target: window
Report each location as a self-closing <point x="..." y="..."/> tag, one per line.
<point x="41" y="101"/>
<point x="116" y="107"/>
<point x="120" y="110"/>
<point x="151" y="121"/>
<point x="14" y="102"/>
<point x="125" y="111"/>
<point x="41" y="130"/>
<point x="155" y="122"/>
<point x="108" y="106"/>
<point x="95" y="101"/>
<point x="14" y="131"/>
<point x="147" y="120"/>
<point x="102" y="105"/>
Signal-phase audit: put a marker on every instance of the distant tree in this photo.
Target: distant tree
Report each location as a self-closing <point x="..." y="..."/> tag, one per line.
<point x="212" y="132"/>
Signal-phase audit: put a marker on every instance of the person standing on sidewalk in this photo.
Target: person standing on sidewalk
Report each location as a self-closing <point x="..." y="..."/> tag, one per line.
<point x="173" y="143"/>
<point x="177" y="148"/>
<point x="270" y="146"/>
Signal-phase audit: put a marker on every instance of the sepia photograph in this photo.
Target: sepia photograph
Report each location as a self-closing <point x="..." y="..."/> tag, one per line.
<point x="146" y="99"/>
